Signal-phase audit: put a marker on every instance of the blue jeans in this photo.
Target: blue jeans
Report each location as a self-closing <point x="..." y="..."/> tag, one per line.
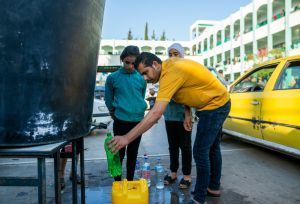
<point x="206" y="150"/>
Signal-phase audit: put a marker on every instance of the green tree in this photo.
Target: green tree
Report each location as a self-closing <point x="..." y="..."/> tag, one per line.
<point x="163" y="36"/>
<point x="129" y="35"/>
<point x="146" y="32"/>
<point x="153" y="35"/>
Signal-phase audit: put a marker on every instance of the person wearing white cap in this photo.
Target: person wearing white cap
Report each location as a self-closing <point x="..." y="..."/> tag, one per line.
<point x="178" y="137"/>
<point x="176" y="50"/>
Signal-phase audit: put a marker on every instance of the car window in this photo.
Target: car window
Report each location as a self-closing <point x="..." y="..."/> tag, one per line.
<point x="289" y="77"/>
<point x="254" y="81"/>
<point x="99" y="92"/>
<point x="218" y="76"/>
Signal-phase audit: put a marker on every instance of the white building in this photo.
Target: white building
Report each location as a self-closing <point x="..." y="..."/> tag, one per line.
<point x="255" y="33"/>
<point x="110" y="50"/>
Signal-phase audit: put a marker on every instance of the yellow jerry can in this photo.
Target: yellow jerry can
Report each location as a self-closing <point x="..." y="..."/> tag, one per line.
<point x="130" y="192"/>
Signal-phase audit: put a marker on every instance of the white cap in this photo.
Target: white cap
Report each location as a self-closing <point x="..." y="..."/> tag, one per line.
<point x="177" y="47"/>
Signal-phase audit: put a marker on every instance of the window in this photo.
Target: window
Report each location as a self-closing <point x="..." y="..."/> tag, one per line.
<point x="290" y="77"/>
<point x="254" y="81"/>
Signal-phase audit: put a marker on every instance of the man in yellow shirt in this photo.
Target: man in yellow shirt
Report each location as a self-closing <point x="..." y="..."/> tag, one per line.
<point x="191" y="84"/>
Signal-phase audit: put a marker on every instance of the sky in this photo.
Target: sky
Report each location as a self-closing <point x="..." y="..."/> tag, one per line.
<point x="172" y="16"/>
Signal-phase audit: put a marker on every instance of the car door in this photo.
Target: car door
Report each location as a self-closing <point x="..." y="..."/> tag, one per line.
<point x="246" y="100"/>
<point x="280" y="111"/>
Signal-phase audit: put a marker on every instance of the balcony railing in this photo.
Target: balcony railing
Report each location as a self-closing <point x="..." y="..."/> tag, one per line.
<point x="226" y="39"/>
<point x="278" y="16"/>
<point x="265" y="22"/>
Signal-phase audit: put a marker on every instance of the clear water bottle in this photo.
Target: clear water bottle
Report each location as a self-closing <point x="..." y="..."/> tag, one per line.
<point x="159" y="175"/>
<point x="146" y="171"/>
<point x="159" y="196"/>
<point x="137" y="171"/>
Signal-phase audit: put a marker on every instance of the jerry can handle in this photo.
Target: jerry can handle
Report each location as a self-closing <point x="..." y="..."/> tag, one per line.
<point x="136" y="184"/>
<point x="125" y="186"/>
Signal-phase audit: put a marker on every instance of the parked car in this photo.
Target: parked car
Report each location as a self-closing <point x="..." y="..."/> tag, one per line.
<point x="216" y="74"/>
<point x="101" y="117"/>
<point x="266" y="106"/>
<point x="99" y="92"/>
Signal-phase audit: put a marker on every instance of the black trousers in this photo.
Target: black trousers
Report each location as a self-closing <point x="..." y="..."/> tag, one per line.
<point x="122" y="127"/>
<point x="179" y="138"/>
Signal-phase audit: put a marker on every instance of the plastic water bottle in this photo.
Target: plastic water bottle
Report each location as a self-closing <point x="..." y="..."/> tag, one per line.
<point x="137" y="171"/>
<point x="159" y="174"/>
<point x="113" y="160"/>
<point x="146" y="170"/>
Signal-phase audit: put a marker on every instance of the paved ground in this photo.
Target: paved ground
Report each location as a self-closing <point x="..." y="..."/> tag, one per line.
<point x="251" y="174"/>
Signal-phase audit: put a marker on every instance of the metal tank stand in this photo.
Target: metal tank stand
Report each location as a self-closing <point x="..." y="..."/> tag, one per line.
<point x="41" y="153"/>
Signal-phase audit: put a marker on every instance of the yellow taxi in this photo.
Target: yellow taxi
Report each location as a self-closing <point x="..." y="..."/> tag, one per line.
<point x="265" y="106"/>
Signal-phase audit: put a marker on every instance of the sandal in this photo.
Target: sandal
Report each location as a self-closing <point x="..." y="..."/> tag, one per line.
<point x="169" y="180"/>
<point x="62" y="183"/>
<point x="212" y="194"/>
<point x="183" y="184"/>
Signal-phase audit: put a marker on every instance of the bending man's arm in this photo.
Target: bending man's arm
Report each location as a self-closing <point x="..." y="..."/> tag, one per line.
<point x="118" y="142"/>
<point x="188" y="123"/>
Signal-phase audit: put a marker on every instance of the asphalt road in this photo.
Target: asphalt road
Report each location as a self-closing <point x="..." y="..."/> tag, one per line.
<point x="250" y="174"/>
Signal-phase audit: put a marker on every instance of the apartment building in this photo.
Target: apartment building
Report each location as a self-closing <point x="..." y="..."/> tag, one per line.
<point x="259" y="31"/>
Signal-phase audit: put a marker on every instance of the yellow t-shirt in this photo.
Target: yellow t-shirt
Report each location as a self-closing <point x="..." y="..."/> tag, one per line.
<point x="191" y="84"/>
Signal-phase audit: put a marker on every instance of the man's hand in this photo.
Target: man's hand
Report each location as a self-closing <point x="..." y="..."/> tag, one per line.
<point x="117" y="143"/>
<point x="188" y="123"/>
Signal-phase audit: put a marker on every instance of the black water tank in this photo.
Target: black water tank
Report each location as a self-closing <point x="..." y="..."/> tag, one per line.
<point x="48" y="58"/>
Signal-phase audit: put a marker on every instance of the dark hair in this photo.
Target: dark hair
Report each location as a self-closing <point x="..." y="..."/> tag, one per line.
<point x="147" y="59"/>
<point x="130" y="50"/>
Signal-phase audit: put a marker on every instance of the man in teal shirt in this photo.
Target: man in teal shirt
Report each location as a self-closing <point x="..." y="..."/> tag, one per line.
<point x="125" y="91"/>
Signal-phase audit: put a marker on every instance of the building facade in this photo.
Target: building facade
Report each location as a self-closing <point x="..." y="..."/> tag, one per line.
<point x="110" y="50"/>
<point x="259" y="31"/>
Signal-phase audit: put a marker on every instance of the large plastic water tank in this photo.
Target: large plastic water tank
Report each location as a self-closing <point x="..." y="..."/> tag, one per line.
<point x="48" y="58"/>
